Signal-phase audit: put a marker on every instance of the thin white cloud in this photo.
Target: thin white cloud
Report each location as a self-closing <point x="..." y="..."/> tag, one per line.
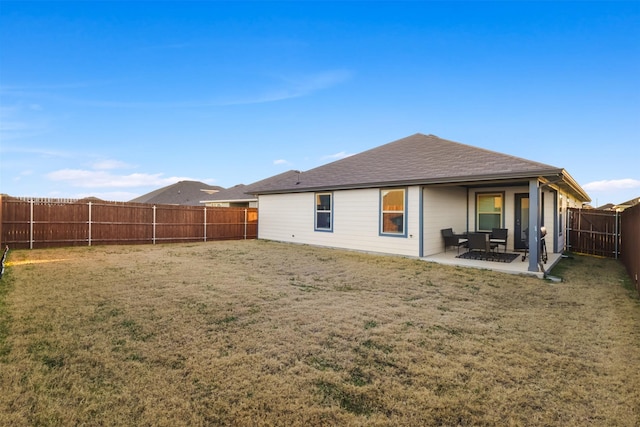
<point x="286" y="87"/>
<point x="280" y="162"/>
<point x="337" y="156"/>
<point x="31" y="89"/>
<point x="175" y="45"/>
<point x="111" y="164"/>
<point x="109" y="195"/>
<point x="13" y="126"/>
<point x="17" y="122"/>
<point x="612" y="184"/>
<point x="23" y="174"/>
<point x="103" y="179"/>
<point x="42" y="152"/>
<point x="296" y="87"/>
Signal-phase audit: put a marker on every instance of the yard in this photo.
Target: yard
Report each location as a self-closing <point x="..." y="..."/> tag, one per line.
<point x="262" y="333"/>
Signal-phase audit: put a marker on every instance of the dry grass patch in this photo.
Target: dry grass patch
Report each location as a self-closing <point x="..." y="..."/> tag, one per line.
<point x="262" y="333"/>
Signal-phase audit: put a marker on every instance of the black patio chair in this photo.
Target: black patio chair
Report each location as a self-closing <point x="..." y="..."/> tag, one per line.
<point x="480" y="242"/>
<point x="499" y="236"/>
<point x="452" y="239"/>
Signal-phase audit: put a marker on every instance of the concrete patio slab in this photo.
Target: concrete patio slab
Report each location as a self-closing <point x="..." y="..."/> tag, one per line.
<point x="516" y="266"/>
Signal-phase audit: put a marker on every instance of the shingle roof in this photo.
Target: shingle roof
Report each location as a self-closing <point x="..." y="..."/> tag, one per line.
<point x="417" y="159"/>
<point x="181" y="193"/>
<point x="237" y="192"/>
<point x="243" y="192"/>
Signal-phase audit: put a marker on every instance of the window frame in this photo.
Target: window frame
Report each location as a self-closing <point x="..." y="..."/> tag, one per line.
<point x="324" y="211"/>
<point x="382" y="212"/>
<point x="478" y="212"/>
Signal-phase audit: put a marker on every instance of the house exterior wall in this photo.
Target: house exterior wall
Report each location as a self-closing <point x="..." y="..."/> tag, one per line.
<point x="565" y="201"/>
<point x="551" y="219"/>
<point x="356" y="221"/>
<point x="356" y="218"/>
<point x="443" y="207"/>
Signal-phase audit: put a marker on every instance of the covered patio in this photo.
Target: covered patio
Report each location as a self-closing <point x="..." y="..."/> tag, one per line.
<point x="517" y="266"/>
<point x="522" y="211"/>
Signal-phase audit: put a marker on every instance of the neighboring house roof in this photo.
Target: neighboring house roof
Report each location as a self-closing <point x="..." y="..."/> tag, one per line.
<point x="628" y="204"/>
<point x="607" y="207"/>
<point x="620" y="206"/>
<point x="242" y="193"/>
<point x="632" y="202"/>
<point x="233" y="194"/>
<point x="415" y="160"/>
<point x="181" y="193"/>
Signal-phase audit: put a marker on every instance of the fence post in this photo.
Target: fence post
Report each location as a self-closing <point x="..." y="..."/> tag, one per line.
<point x="580" y="227"/>
<point x="568" y="227"/>
<point x="89" y="223"/>
<point x="205" y="223"/>
<point x="616" y="236"/>
<point x="245" y="224"/>
<point x="31" y="224"/>
<point x="154" y="225"/>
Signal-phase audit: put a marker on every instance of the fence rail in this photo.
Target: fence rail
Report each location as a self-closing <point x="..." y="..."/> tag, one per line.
<point x="40" y="223"/>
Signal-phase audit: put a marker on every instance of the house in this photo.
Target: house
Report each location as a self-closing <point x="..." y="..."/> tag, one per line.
<point x="607" y="207"/>
<point x="628" y="204"/>
<point x="233" y="197"/>
<point x="397" y="197"/>
<point x="240" y="195"/>
<point x="181" y="193"/>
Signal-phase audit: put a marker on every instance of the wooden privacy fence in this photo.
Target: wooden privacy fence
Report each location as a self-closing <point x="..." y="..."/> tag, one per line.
<point x="594" y="232"/>
<point x="630" y="244"/>
<point x="41" y="223"/>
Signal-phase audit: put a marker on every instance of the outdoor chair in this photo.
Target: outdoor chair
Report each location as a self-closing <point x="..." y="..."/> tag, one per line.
<point x="452" y="239"/>
<point x="480" y="242"/>
<point x="499" y="236"/>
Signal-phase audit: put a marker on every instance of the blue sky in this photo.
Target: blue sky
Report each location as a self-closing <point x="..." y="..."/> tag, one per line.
<point x="115" y="99"/>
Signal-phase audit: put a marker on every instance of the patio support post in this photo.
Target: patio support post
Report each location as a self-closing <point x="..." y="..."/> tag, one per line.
<point x="534" y="224"/>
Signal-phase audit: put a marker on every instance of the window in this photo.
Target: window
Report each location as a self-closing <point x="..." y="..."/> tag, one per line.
<point x="323" y="212"/>
<point x="488" y="211"/>
<point x="392" y="217"/>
